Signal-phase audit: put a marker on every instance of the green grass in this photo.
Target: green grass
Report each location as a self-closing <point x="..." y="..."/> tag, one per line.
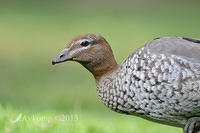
<point x="13" y="121"/>
<point x="32" y="33"/>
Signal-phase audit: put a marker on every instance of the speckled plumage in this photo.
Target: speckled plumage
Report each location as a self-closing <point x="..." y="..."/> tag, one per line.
<point x="156" y="86"/>
<point x="159" y="82"/>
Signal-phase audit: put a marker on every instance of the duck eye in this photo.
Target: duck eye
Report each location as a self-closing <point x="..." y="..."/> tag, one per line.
<point x="85" y="43"/>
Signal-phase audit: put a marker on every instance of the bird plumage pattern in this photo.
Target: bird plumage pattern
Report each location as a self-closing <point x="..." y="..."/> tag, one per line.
<point x="156" y="86"/>
<point x="159" y="81"/>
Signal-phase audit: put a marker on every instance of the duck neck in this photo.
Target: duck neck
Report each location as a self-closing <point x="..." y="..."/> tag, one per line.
<point x="105" y="67"/>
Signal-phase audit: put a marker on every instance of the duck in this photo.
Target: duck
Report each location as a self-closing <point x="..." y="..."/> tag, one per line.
<point x="159" y="81"/>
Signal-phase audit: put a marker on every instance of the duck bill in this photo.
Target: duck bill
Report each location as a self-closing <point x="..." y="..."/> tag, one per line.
<point x="62" y="57"/>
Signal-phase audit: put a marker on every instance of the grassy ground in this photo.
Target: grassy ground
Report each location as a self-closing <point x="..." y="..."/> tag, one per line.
<point x="32" y="33"/>
<point x="12" y="121"/>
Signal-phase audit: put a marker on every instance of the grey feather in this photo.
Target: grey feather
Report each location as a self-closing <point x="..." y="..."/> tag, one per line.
<point x="186" y="47"/>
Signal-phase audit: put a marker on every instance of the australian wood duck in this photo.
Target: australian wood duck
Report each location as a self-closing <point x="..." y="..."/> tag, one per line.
<point x="159" y="81"/>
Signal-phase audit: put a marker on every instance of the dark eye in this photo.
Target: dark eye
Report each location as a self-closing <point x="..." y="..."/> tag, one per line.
<point x="85" y="43"/>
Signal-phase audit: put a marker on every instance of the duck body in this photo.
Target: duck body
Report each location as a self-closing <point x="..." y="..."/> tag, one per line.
<point x="159" y="81"/>
<point x="159" y="87"/>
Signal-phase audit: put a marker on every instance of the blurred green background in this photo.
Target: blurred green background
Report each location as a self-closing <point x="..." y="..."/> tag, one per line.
<point x="32" y="33"/>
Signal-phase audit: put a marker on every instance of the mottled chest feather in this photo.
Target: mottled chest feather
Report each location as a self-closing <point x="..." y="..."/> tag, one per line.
<point x="154" y="86"/>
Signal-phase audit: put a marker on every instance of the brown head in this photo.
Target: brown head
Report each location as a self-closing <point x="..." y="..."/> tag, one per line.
<point x="92" y="51"/>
